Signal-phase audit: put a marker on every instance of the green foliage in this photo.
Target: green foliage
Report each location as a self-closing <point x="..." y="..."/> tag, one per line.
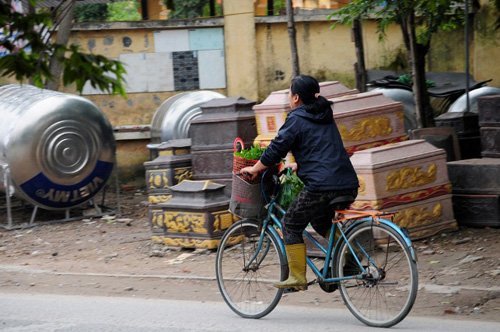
<point x="185" y="8"/>
<point x="100" y="71"/>
<point x="206" y="10"/>
<point x="418" y="20"/>
<point x="30" y="50"/>
<point x="124" y="11"/>
<point x="252" y="153"/>
<point x="21" y="34"/>
<point x="430" y="15"/>
<point x="113" y="11"/>
<point x="91" y="12"/>
<point x="279" y="7"/>
<point x="406" y="79"/>
<point x="291" y="186"/>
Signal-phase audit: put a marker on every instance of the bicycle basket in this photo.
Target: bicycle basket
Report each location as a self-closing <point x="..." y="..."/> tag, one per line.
<point x="246" y="198"/>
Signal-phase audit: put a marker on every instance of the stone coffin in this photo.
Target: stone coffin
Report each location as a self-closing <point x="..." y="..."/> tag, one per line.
<point x="477" y="210"/>
<point x="368" y="120"/>
<point x="466" y="125"/>
<point x="272" y="112"/>
<point x="489" y="122"/>
<point x="195" y="217"/>
<point x="475" y="176"/>
<point x="489" y="111"/>
<point x="476" y="191"/>
<point x="490" y="142"/>
<point x="213" y="134"/>
<point x="409" y="178"/>
<point x="172" y="166"/>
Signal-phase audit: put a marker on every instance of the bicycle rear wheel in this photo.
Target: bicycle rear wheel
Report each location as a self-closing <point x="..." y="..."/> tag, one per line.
<point x="385" y="294"/>
<point x="246" y="273"/>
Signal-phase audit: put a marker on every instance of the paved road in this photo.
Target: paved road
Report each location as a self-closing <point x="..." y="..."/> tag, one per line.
<point x="26" y="313"/>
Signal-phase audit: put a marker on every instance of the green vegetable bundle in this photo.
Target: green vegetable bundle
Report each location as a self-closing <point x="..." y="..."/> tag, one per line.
<point x="291" y="186"/>
<point x="252" y="153"/>
<point x="245" y="157"/>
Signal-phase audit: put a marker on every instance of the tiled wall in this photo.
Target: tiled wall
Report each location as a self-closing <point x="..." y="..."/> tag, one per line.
<point x="183" y="59"/>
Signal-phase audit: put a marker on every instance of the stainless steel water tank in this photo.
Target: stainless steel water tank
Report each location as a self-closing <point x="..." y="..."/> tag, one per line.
<point x="173" y="118"/>
<point x="406" y="98"/>
<point x="460" y="105"/>
<point x="58" y="150"/>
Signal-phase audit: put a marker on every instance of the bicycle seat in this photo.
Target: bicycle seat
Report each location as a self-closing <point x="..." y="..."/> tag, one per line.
<point x="341" y="202"/>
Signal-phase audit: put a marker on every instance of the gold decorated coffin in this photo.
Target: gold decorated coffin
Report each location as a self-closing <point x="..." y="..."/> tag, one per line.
<point x="409" y="178"/>
<point x="272" y="112"/>
<point x="425" y="218"/>
<point x="367" y="120"/>
<point x="195" y="217"/>
<point x="171" y="166"/>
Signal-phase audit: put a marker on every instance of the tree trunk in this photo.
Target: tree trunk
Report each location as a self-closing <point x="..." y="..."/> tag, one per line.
<point x="270" y="7"/>
<point x="293" y="39"/>
<point x="420" y="86"/>
<point x="423" y="109"/>
<point x="64" y="22"/>
<point x="359" y="67"/>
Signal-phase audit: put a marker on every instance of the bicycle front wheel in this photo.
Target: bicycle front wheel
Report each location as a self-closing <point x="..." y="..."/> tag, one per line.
<point x="385" y="293"/>
<point x="249" y="261"/>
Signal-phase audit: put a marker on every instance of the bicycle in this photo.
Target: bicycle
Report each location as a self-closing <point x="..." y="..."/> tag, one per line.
<point x="371" y="261"/>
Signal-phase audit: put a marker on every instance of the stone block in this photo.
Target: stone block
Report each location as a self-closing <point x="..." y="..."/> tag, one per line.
<point x="490" y="141"/>
<point x="222" y="120"/>
<point x="213" y="134"/>
<point x="489" y="111"/>
<point x="160" y="177"/>
<point x="441" y="137"/>
<point x="477" y="210"/>
<point x="466" y="126"/>
<point x="464" y="123"/>
<point x="195" y="216"/>
<point x="156" y="223"/>
<point x="475" y="176"/>
<point x="213" y="164"/>
<point x="470" y="146"/>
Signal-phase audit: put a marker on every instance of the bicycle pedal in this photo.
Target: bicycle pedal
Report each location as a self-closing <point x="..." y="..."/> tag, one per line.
<point x="295" y="289"/>
<point x="290" y="290"/>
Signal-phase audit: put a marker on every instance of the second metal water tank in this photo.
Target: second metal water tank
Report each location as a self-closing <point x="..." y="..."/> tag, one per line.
<point x="173" y="118"/>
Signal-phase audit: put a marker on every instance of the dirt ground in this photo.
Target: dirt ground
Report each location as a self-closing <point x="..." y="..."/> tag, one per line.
<point x="459" y="272"/>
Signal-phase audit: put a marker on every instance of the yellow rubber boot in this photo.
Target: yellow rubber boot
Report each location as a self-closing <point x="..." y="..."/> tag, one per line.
<point x="296" y="254"/>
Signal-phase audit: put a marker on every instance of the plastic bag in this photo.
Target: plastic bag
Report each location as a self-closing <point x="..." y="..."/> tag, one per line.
<point x="291" y="185"/>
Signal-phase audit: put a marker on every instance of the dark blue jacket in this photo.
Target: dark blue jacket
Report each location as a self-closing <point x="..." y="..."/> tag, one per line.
<point x="315" y="142"/>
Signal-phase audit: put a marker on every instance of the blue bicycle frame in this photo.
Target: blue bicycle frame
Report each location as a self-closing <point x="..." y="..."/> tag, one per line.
<point x="274" y="217"/>
<point x="275" y="214"/>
